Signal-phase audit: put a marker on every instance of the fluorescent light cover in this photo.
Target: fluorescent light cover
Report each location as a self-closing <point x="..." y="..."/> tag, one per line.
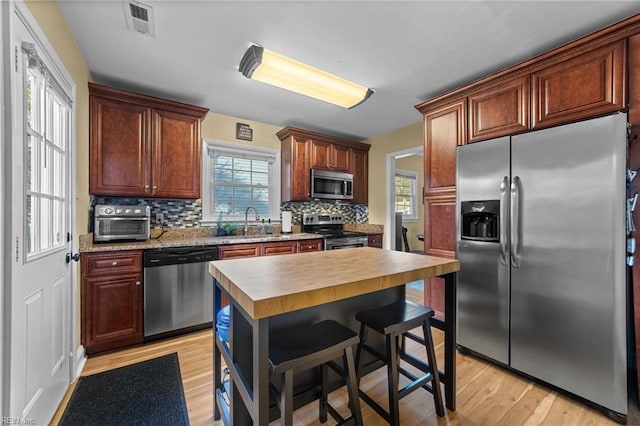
<point x="272" y="68"/>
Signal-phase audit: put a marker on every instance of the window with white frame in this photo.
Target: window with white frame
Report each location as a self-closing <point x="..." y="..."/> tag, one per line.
<point x="406" y="194"/>
<point x="47" y="139"/>
<point x="237" y="177"/>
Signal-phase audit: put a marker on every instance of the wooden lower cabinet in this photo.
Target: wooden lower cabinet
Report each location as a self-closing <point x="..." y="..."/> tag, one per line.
<point x="112" y="300"/>
<point x="375" y="240"/>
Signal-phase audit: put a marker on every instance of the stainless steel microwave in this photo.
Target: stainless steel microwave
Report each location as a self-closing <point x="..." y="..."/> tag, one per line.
<point x="331" y="185"/>
<point x="117" y="223"/>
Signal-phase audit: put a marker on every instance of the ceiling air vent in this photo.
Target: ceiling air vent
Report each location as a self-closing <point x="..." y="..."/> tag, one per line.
<point x="139" y="17"/>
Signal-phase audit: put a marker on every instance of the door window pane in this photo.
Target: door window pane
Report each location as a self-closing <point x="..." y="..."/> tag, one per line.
<point x="46" y="136"/>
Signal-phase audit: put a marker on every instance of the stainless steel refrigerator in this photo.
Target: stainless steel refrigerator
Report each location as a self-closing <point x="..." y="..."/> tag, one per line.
<point x="541" y="238"/>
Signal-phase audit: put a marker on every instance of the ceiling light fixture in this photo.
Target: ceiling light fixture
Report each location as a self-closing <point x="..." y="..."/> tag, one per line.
<point x="272" y="68"/>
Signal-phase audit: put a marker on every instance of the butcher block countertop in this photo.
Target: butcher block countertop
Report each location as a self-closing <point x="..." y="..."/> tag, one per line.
<point x="273" y="285"/>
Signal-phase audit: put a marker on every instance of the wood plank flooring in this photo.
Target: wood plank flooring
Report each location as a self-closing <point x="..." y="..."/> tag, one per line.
<point x="487" y="395"/>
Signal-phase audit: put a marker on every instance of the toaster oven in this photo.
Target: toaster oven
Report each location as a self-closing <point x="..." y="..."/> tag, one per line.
<point x="121" y="223"/>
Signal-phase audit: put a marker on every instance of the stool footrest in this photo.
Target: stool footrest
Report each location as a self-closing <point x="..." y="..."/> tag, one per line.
<point x="376" y="407"/>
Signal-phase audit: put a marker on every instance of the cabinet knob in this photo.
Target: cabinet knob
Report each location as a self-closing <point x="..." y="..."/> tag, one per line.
<point x="137" y="282"/>
<point x="155" y="187"/>
<point x="146" y="187"/>
<point x="114" y="263"/>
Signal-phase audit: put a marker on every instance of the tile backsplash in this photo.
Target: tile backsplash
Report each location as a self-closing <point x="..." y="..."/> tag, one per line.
<point x="188" y="213"/>
<point x="351" y="213"/>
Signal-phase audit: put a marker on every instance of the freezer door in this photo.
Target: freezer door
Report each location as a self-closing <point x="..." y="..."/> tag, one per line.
<point x="483" y="280"/>
<point x="568" y="305"/>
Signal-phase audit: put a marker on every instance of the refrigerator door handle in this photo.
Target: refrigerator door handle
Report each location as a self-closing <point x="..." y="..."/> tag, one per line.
<point x="515" y="222"/>
<point x="504" y="184"/>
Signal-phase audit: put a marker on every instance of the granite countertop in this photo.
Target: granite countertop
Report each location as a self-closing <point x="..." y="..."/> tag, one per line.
<point x="368" y="228"/>
<point x="186" y="239"/>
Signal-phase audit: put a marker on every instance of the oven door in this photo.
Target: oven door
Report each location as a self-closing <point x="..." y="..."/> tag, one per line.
<point x="344" y="242"/>
<point x="121" y="228"/>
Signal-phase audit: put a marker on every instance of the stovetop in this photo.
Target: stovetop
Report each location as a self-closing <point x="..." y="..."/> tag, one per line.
<point x="327" y="225"/>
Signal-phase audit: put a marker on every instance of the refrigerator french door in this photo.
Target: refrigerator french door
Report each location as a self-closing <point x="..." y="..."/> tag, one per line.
<point x="541" y="235"/>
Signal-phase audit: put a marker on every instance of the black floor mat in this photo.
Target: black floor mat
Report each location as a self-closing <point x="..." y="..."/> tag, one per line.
<point x="146" y="393"/>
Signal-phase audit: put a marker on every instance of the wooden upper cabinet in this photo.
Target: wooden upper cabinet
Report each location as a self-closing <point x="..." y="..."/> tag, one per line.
<point x="585" y="86"/>
<point x="303" y="150"/>
<point x="328" y="156"/>
<point x="501" y="109"/>
<point x="119" y="148"/>
<point x="360" y="170"/>
<point x="445" y="129"/>
<point x="176" y="159"/>
<point x="143" y="146"/>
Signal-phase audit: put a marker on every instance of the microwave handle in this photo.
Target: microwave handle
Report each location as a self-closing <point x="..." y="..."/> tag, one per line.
<point x="344" y="187"/>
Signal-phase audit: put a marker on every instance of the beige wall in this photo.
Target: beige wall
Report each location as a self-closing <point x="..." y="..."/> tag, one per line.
<point x="398" y="140"/>
<point x="223" y="128"/>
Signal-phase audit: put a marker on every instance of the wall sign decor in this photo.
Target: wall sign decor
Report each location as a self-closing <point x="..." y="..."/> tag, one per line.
<point x="244" y="132"/>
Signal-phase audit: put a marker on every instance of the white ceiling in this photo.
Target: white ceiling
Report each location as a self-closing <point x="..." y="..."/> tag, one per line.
<point x="406" y="51"/>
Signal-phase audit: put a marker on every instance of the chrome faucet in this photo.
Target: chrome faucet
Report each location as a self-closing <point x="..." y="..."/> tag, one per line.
<point x="246" y="213"/>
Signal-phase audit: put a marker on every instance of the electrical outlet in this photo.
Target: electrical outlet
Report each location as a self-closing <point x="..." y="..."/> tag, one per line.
<point x="159" y="217"/>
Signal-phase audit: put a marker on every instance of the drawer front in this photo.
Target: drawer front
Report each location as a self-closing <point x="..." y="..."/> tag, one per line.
<point x="112" y="263"/>
<point x="238" y="250"/>
<point x="375" y="240"/>
<point x="309" y="245"/>
<point x="270" y="249"/>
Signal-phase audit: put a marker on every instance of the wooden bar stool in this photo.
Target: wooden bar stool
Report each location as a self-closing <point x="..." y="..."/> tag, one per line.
<point x="394" y="321"/>
<point x="301" y="348"/>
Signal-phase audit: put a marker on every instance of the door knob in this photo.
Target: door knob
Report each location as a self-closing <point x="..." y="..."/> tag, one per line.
<point x="75" y="257"/>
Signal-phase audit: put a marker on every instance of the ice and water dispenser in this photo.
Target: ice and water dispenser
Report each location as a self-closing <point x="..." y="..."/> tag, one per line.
<point x="480" y="220"/>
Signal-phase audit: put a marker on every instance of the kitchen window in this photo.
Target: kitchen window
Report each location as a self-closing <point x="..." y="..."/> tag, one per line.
<point x="406" y="194"/>
<point x="236" y="177"/>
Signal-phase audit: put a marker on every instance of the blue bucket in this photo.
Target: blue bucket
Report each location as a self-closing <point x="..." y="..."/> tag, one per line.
<point x="223" y="321"/>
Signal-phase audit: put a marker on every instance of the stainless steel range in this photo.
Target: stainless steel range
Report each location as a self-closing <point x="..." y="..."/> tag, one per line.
<point x="331" y="228"/>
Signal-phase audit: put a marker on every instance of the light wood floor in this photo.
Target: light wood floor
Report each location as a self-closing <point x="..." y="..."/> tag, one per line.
<point x="487" y="395"/>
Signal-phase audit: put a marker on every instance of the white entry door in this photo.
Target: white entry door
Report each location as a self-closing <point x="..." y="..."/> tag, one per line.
<point x="40" y="299"/>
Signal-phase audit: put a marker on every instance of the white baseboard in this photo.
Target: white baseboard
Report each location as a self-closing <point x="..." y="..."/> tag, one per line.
<point x="80" y="360"/>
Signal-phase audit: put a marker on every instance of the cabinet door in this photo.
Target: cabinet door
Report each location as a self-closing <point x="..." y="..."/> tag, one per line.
<point x="586" y="86"/>
<point x="341" y="160"/>
<point x="309" y="245"/>
<point x="499" y="110"/>
<point x="300" y="179"/>
<point x="119" y="140"/>
<point x="113" y="312"/>
<point x="445" y="129"/>
<point x="176" y="155"/>
<point x="360" y="170"/>
<point x="328" y="156"/>
<point x="238" y="250"/>
<point x="279" y="247"/>
<point x="321" y="155"/>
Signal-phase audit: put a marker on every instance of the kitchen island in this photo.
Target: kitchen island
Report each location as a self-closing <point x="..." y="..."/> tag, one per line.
<point x="269" y="293"/>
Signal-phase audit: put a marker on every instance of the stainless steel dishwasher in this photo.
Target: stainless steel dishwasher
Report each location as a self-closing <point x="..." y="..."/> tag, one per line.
<point x="178" y="290"/>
